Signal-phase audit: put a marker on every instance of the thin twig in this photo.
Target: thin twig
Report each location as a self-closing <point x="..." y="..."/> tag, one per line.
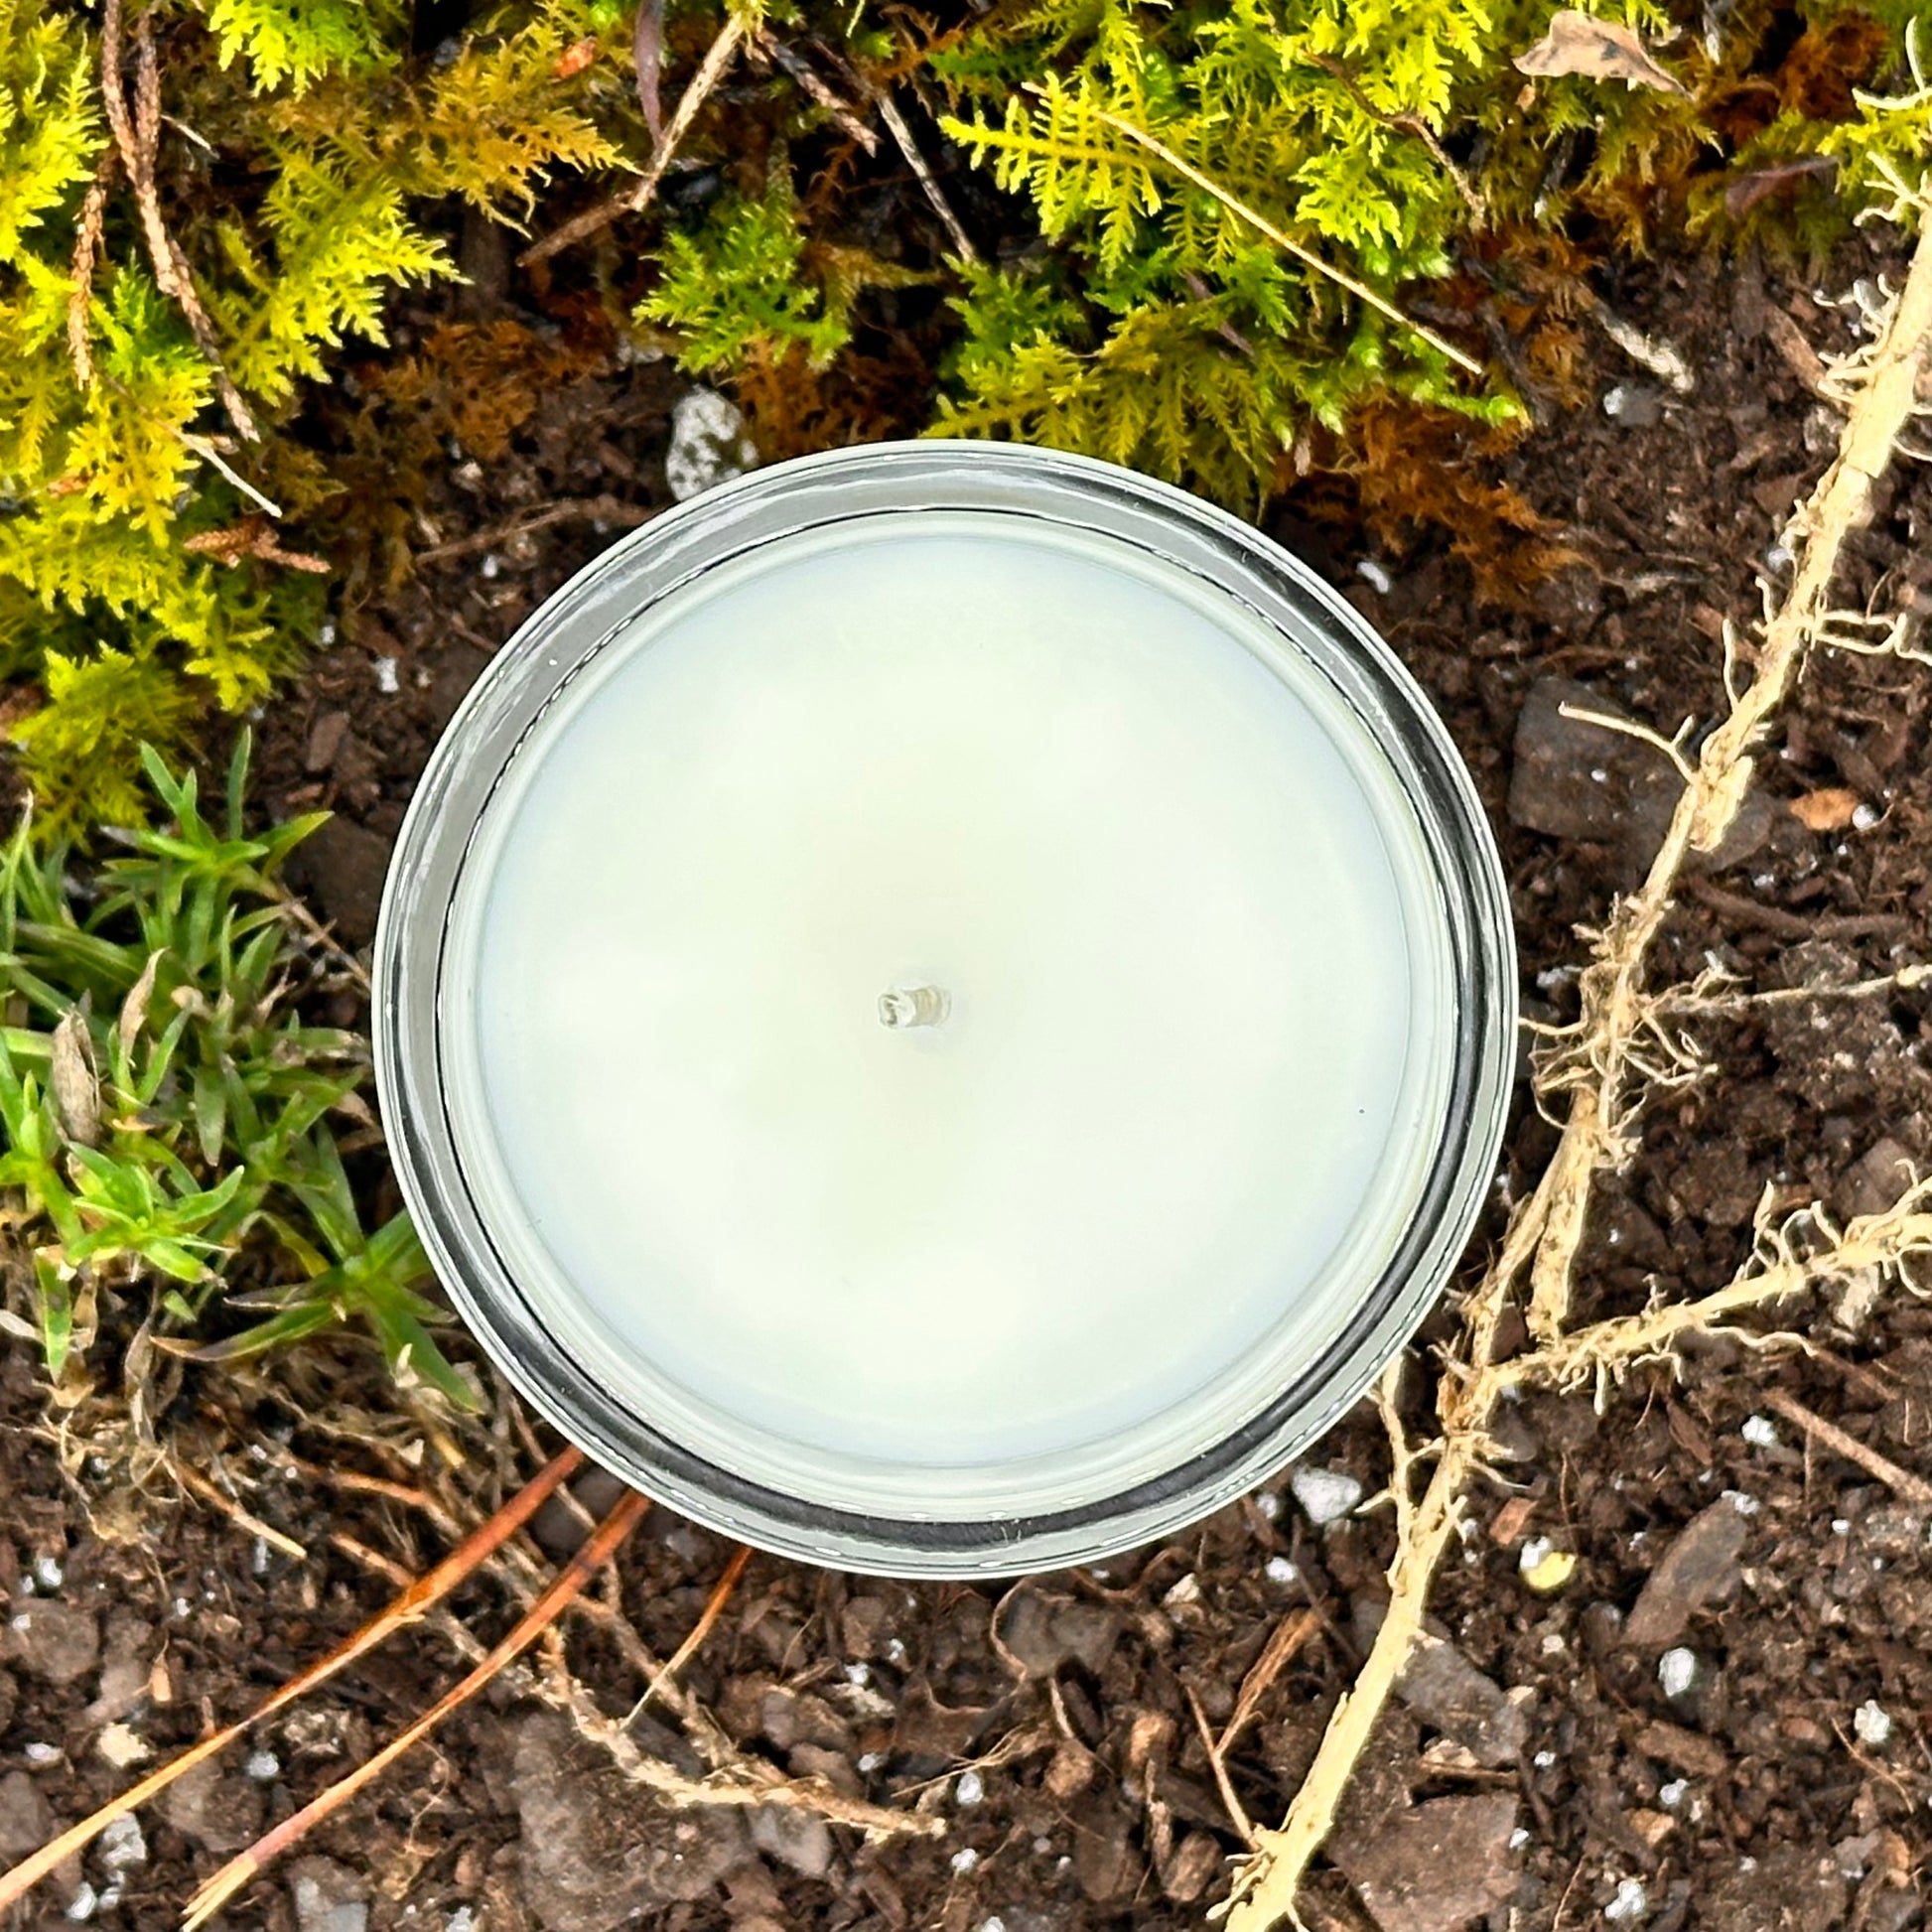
<point x="714" y="1608"/>
<point x="1915" y="1489"/>
<point x="583" y="509"/>
<point x="903" y="137"/>
<point x="805" y="78"/>
<point x="1237" y="1813"/>
<point x="1288" y="1638"/>
<point x="569" y="1580"/>
<point x="411" y="1603"/>
<point x="1306" y="256"/>
<point x="191" y="1478"/>
<point x="637" y="197"/>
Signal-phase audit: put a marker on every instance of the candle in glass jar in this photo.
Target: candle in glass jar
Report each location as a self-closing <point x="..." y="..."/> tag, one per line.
<point x="942" y="1016"/>
<point x="1147" y="894"/>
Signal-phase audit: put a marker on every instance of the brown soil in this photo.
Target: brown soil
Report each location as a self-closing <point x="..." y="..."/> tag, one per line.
<point x="1542" y="1773"/>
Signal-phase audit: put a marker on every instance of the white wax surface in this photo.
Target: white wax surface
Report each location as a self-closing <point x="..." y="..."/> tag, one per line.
<point x="1184" y="1052"/>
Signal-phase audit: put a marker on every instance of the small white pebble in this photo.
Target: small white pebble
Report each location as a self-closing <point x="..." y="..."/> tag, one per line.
<point x="869" y="1761"/>
<point x="1863" y="817"/>
<point x="709" y="444"/>
<point x="38" y="1754"/>
<point x="1871" y="1723"/>
<point x="1269" y="1502"/>
<point x="262" y="1766"/>
<point x="860" y="1674"/>
<point x="895" y="1651"/>
<point x="1277" y="1569"/>
<point x="122" y="1845"/>
<point x="1186" y="1590"/>
<point x="326" y="634"/>
<point x="1378" y="579"/>
<point x="386" y="680"/>
<point x="83" y="1902"/>
<point x="1777" y="557"/>
<point x="122" y="1745"/>
<point x="462" y="1919"/>
<point x="1677" y="1671"/>
<point x="992" y="1924"/>
<point x="1544" y="1759"/>
<point x="1744" y="1505"/>
<point x="1519" y="1838"/>
<point x="258" y="1558"/>
<point x="970" y="1789"/>
<point x="1670" y="1795"/>
<point x="492" y="566"/>
<point x="1841" y="1526"/>
<point x="1599" y="775"/>
<point x="1630" y="1903"/>
<point x="1042" y="1846"/>
<point x="1748" y="1863"/>
<point x="964" y="1860"/>
<point x="1327" y="1495"/>
<point x="1535" y="1551"/>
<point x="182" y="1606"/>
<point x="1759" y="1432"/>
<point x="1553" y="1645"/>
<point x="47" y="1574"/>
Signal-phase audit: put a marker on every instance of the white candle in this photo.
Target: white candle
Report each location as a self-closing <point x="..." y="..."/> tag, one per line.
<point x="947" y="1014"/>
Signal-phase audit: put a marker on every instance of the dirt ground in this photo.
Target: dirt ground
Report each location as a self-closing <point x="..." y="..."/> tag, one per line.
<point x="1716" y="1721"/>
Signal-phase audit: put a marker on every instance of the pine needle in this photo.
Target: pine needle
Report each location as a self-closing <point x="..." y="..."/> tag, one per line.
<point x="714" y="1608"/>
<point x="412" y="1602"/>
<point x="568" y="1583"/>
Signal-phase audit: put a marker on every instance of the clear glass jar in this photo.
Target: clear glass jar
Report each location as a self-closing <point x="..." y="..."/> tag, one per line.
<point x="983" y="1512"/>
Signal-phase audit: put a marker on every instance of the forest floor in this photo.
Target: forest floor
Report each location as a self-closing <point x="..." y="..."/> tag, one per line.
<point x="1716" y="1720"/>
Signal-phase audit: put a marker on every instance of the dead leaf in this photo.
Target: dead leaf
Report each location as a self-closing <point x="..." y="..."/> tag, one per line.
<point x="134" y="1009"/>
<point x="77" y="1086"/>
<point x="1829" y="810"/>
<point x="1598" y="49"/>
<point x="575" y="58"/>
<point x="1759" y="184"/>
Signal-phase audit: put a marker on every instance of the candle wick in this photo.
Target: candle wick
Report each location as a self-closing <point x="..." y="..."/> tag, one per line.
<point x="915" y="1006"/>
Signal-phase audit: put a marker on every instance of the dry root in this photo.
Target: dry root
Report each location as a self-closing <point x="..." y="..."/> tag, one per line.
<point x="1620" y="1045"/>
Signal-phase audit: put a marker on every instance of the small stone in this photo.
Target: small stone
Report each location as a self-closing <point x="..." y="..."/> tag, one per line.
<point x="26" y="1819"/>
<point x="709" y="444"/>
<point x="122" y="1845"/>
<point x="1444" y="1689"/>
<point x="1327" y="1495"/>
<point x="84" y="1902"/>
<point x="964" y="1860"/>
<point x="47" y="1574"/>
<point x="1043" y="1632"/>
<point x="1701" y="1568"/>
<point x="1871" y="1723"/>
<point x="121" y="1746"/>
<point x="1186" y="1590"/>
<point x="1436" y="1867"/>
<point x="1677" y="1671"/>
<point x="327" y="1898"/>
<point x="55" y="1641"/>
<point x="1629" y="1905"/>
<point x="219" y="1811"/>
<point x="1670" y="1795"/>
<point x="388" y="676"/>
<point x="1375" y="576"/>
<point x="264" y="1766"/>
<point x="794" y="1837"/>
<point x="341" y="866"/>
<point x="1760" y="1432"/>
<point x="1277" y="1569"/>
<point x="969" y="1789"/>
<point x="1636" y="405"/>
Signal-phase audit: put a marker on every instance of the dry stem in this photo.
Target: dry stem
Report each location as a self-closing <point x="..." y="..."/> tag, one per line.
<point x="1601" y="1066"/>
<point x="630" y="201"/>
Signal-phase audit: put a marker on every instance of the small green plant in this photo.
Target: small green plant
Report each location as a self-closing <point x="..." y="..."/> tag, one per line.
<point x="199" y="204"/>
<point x="169" y="1123"/>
